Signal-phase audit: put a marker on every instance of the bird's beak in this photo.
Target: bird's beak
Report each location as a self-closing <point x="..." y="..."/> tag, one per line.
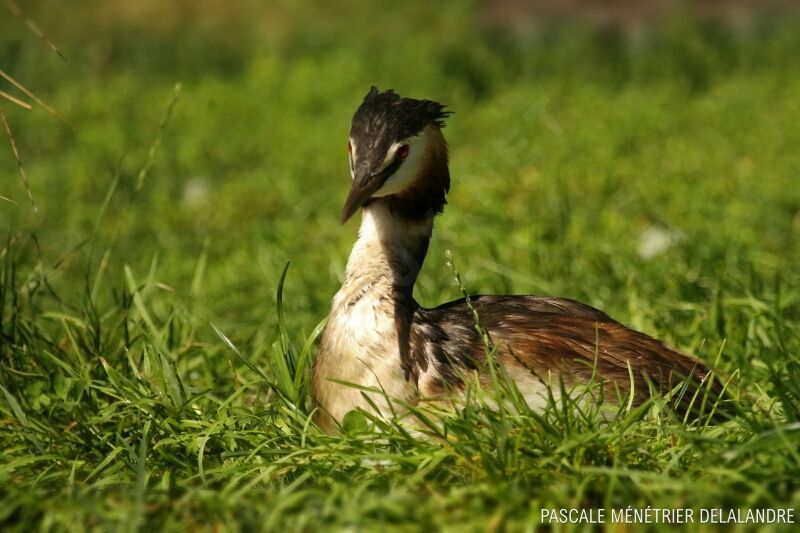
<point x="364" y="186"/>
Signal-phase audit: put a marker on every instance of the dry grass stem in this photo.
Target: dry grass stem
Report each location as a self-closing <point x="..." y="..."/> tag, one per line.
<point x="17" y="12"/>
<point x="35" y="98"/>
<point x="19" y="160"/>
<point x="14" y="100"/>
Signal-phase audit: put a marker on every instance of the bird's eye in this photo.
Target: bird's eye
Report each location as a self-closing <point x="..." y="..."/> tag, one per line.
<point x="402" y="152"/>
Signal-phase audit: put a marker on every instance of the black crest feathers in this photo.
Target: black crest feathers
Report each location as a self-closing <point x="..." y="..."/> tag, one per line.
<point x="389" y="116"/>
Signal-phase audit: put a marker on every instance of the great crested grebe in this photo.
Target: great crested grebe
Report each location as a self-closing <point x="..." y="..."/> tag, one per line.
<point x="379" y="338"/>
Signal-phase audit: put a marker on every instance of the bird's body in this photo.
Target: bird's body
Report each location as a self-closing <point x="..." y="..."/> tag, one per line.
<point x="378" y="338"/>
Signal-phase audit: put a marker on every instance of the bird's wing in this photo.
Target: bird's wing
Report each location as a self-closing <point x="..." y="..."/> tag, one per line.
<point x="553" y="337"/>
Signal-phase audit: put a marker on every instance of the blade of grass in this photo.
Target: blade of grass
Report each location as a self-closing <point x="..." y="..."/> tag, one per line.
<point x="199" y="272"/>
<point x="139" y="304"/>
<point x="304" y="358"/>
<point x="172" y="381"/>
<point x="32" y="26"/>
<point x="239" y="355"/>
<point x="142" y="475"/>
<point x="18" y="158"/>
<point x="13" y="100"/>
<point x="35" y="98"/>
<point x="151" y="155"/>
<point x="282" y="358"/>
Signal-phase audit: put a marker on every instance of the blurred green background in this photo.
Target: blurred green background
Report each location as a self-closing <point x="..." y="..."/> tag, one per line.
<point x="639" y="156"/>
<point x="577" y="133"/>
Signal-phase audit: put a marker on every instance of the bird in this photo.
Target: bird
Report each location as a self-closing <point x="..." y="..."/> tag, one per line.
<point x="380" y="350"/>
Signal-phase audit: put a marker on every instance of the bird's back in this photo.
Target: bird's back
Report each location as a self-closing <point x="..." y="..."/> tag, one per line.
<point x="544" y="340"/>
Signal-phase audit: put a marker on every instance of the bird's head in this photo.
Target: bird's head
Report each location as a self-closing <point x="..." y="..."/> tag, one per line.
<point x="397" y="152"/>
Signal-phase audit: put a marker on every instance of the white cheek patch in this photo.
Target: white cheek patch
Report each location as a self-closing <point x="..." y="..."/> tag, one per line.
<point x="411" y="167"/>
<point x="352" y="158"/>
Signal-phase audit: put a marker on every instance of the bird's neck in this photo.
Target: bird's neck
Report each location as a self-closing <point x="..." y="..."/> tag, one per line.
<point x="396" y="230"/>
<point x="387" y="256"/>
<point x="366" y="339"/>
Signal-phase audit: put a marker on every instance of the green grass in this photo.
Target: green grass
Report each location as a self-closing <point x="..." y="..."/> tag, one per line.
<point x="149" y="379"/>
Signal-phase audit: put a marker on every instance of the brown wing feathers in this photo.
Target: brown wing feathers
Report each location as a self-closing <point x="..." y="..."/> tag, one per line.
<point x="550" y="335"/>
